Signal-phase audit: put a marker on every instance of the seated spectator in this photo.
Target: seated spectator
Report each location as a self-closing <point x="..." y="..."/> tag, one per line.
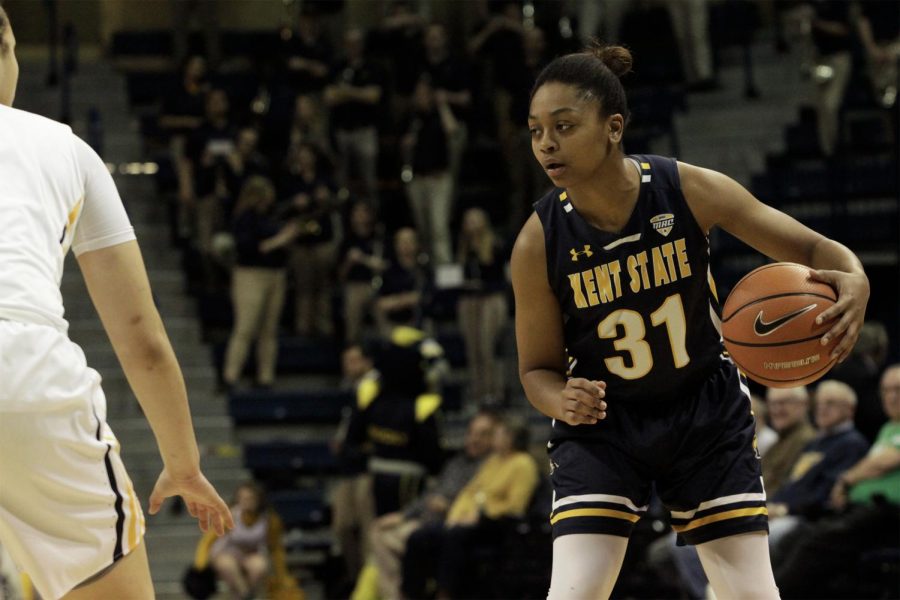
<point x="426" y="171"/>
<point x="788" y="414"/>
<point x="360" y="260"/>
<point x="246" y="556"/>
<point x="391" y="531"/>
<point x="502" y="488"/>
<point x="482" y="309"/>
<point x="404" y="284"/>
<point x="836" y="447"/>
<point x="823" y="563"/>
<point x="352" y="508"/>
<point x="314" y="207"/>
<point x="258" y="282"/>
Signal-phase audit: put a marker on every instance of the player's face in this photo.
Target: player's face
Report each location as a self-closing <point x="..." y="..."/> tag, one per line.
<point x="9" y="67"/>
<point x="569" y="137"/>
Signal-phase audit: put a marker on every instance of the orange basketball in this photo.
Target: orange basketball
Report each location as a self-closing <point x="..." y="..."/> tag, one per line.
<point x="769" y="325"/>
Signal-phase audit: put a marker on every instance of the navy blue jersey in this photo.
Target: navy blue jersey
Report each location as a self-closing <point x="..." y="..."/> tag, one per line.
<point x="639" y="306"/>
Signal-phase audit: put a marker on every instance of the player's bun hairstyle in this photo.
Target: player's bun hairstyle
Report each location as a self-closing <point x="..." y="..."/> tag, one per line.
<point x="595" y="71"/>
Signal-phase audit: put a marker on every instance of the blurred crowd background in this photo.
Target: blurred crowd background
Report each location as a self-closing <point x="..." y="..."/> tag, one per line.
<point x="329" y="189"/>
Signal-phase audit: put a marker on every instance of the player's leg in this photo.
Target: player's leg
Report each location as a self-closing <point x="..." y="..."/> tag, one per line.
<point x="586" y="565"/>
<point x="128" y="577"/>
<point x="738" y="566"/>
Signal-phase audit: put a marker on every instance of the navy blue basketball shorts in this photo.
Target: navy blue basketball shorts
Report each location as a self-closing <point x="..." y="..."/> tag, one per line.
<point x="699" y="449"/>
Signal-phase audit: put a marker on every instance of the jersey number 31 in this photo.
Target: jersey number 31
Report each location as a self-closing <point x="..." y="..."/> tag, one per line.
<point x="671" y="312"/>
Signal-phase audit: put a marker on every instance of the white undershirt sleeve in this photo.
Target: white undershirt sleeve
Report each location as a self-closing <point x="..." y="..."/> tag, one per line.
<point x="103" y="220"/>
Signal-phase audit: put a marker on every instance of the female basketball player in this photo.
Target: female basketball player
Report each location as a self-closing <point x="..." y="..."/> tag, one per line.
<point x="613" y="270"/>
<point x="68" y="513"/>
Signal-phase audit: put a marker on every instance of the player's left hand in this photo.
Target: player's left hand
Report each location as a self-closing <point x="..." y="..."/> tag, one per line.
<point x="849" y="311"/>
<point x="201" y="498"/>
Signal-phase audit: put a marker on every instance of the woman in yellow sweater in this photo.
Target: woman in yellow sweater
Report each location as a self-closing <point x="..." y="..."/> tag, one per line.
<point x="501" y="488"/>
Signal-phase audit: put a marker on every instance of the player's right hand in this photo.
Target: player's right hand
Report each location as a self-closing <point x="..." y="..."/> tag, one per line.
<point x="582" y="401"/>
<point x="201" y="498"/>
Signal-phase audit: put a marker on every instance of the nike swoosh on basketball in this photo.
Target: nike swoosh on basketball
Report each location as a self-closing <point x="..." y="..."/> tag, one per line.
<point x="763" y="328"/>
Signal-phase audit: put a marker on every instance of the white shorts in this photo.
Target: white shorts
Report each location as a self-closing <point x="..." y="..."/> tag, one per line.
<point x="67" y="507"/>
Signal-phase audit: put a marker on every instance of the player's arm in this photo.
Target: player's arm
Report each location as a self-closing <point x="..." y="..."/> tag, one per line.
<point x="539" y="338"/>
<point x="117" y="281"/>
<point x="717" y="200"/>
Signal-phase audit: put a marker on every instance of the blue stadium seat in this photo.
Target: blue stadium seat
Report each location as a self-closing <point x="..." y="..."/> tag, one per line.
<point x="301" y="508"/>
<point x="293" y="406"/>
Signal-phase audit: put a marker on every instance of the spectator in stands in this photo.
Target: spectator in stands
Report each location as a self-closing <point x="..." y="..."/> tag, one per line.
<point x="391" y="531"/>
<point x="397" y="39"/>
<point x="788" y="414"/>
<point x="314" y="207"/>
<point x="398" y="416"/>
<point x="426" y="171"/>
<point x="245" y="557"/>
<point x="258" y="281"/>
<point x="183" y="107"/>
<point x="878" y="25"/>
<point x="247" y="161"/>
<point x="869" y="496"/>
<point x="451" y="75"/>
<point x="861" y="371"/>
<point x="765" y="435"/>
<point x="833" y="42"/>
<point x="352" y="507"/>
<point x="404" y="284"/>
<point x="360" y="260"/>
<point x="204" y="175"/>
<point x="482" y="308"/>
<point x="306" y="54"/>
<point x="836" y="447"/>
<point x="690" y="22"/>
<point x="503" y="487"/>
<point x="353" y="97"/>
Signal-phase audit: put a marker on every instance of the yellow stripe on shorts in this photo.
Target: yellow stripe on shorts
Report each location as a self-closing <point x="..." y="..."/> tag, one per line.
<point x="594" y="512"/>
<point x="723" y="516"/>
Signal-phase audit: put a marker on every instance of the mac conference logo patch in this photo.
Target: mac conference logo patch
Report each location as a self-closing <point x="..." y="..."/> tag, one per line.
<point x="663" y="223"/>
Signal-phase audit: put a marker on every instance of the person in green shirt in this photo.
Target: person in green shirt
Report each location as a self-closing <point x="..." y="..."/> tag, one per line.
<point x="868" y="498"/>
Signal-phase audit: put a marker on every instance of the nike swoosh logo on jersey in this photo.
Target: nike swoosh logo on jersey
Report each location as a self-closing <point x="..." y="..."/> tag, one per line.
<point x="762" y="328"/>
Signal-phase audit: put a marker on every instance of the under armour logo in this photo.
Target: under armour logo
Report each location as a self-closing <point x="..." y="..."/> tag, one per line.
<point x="586" y="252"/>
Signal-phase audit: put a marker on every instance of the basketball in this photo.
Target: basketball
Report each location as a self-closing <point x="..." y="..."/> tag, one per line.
<point x="769" y="325"/>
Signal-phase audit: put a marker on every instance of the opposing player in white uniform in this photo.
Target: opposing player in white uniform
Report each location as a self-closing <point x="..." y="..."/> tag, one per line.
<point x="68" y="512"/>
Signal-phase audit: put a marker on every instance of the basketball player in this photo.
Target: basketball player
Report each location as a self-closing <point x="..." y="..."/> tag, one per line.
<point x="613" y="269"/>
<point x="68" y="512"/>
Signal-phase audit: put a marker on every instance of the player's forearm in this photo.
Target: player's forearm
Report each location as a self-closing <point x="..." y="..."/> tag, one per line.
<point x="152" y="370"/>
<point x="543" y="388"/>
<point x="831" y="255"/>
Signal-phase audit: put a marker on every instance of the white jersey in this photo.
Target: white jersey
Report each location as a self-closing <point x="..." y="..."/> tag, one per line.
<point x="55" y="193"/>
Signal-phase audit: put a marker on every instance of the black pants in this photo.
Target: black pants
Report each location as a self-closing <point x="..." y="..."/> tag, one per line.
<point x="824" y="563"/>
<point x="444" y="554"/>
